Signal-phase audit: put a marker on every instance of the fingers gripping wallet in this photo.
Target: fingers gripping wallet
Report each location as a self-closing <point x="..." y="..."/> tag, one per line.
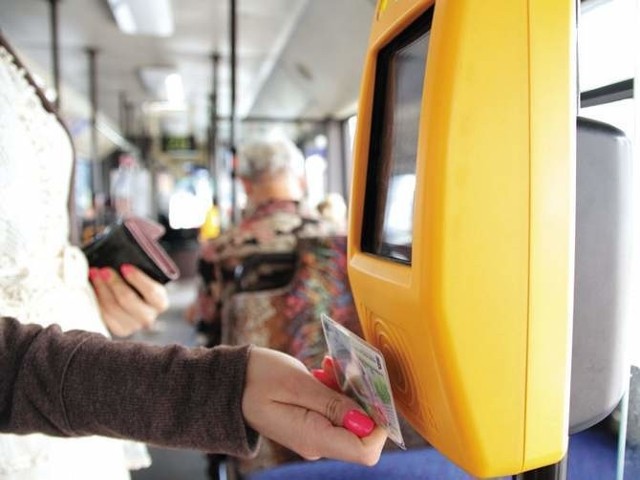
<point x="133" y="240"/>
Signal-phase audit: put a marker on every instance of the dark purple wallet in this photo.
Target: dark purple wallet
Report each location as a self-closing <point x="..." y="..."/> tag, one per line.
<point x="133" y="240"/>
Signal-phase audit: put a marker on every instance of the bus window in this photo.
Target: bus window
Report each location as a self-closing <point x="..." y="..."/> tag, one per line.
<point x="606" y="52"/>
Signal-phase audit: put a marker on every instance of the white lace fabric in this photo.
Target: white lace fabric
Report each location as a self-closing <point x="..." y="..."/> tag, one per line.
<point x="43" y="279"/>
<point x="35" y="168"/>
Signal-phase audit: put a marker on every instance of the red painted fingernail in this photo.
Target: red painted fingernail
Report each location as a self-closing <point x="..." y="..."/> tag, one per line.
<point x="94" y="273"/>
<point x="358" y="423"/>
<point x="105" y="273"/>
<point x="332" y="382"/>
<point x="126" y="269"/>
<point x="328" y="361"/>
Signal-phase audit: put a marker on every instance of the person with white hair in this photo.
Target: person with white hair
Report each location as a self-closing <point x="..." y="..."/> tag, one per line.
<point x="272" y="174"/>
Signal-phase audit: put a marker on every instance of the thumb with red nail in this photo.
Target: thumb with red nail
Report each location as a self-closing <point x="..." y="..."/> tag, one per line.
<point x="285" y="403"/>
<point x="355" y="420"/>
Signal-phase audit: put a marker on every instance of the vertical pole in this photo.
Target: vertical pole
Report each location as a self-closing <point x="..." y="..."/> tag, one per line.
<point x="122" y="110"/>
<point x="344" y="161"/>
<point x="622" y="434"/>
<point x="74" y="230"/>
<point x="98" y="189"/>
<point x="55" y="52"/>
<point x="128" y="120"/>
<point x="149" y="132"/>
<point x="213" y="132"/>
<point x="232" y="134"/>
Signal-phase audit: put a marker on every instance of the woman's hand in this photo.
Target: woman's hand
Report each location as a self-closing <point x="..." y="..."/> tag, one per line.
<point x="124" y="312"/>
<point x="285" y="403"/>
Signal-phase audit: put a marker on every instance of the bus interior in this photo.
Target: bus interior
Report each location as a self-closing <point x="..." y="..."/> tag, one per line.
<point x="482" y="154"/>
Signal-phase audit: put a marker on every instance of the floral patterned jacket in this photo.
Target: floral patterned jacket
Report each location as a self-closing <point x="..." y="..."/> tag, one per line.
<point x="272" y="227"/>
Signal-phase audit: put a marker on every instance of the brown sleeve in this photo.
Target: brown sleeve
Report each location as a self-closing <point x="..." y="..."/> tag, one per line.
<point x="79" y="383"/>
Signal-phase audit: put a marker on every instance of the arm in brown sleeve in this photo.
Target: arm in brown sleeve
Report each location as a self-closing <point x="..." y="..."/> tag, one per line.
<point x="79" y="383"/>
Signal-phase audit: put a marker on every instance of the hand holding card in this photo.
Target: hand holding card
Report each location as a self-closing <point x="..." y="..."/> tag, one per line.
<point x="360" y="372"/>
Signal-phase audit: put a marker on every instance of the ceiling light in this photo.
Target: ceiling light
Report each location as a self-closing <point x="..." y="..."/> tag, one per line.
<point x="124" y="18"/>
<point x="143" y="17"/>
<point x="163" y="83"/>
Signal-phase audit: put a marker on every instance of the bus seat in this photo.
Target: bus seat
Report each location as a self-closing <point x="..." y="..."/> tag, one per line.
<point x="265" y="271"/>
<point x="590" y="456"/>
<point x="599" y="373"/>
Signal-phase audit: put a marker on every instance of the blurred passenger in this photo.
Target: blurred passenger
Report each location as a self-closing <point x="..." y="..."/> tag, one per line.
<point x="272" y="173"/>
<point x="122" y="189"/>
<point x="210" y="228"/>
<point x="43" y="278"/>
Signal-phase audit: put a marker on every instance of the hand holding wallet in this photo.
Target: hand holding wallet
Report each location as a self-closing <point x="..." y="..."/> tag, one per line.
<point x="133" y="240"/>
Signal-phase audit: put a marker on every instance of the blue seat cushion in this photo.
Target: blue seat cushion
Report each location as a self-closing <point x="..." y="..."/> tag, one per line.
<point x="592" y="456"/>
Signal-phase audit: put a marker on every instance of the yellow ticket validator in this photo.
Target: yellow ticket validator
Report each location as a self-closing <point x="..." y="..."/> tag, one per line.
<point x="461" y="234"/>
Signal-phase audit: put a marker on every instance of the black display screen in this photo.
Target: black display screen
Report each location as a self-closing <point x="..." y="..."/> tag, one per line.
<point x="391" y="175"/>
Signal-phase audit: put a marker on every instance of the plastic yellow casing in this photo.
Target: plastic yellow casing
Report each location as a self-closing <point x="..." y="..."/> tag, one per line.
<point x="477" y="331"/>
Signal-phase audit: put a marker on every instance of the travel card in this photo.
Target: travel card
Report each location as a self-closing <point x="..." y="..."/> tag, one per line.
<point x="362" y="375"/>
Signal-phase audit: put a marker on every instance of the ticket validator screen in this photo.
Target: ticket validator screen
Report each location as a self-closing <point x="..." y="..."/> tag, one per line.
<point x="391" y="176"/>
